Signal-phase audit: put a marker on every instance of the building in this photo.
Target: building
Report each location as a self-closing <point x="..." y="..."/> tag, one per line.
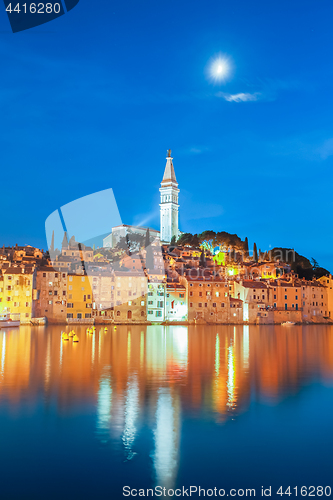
<point x="79" y="298"/>
<point x="51" y="300"/>
<point x="169" y="203"/>
<point x="18" y="293"/>
<point x="209" y="300"/>
<point x="327" y="281"/>
<point x="137" y="233"/>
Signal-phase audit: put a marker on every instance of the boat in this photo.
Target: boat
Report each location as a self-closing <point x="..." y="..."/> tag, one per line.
<point x="288" y="323"/>
<point x="7" y="322"/>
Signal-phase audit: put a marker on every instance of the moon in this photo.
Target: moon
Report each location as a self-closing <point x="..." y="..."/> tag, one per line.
<point x="219" y="69"/>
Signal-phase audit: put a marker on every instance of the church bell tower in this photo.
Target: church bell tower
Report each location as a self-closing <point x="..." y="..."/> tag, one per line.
<point x="169" y="202"/>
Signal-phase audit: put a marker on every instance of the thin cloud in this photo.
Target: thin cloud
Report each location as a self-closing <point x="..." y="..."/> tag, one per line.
<point x="241" y="97"/>
<point x="326" y="149"/>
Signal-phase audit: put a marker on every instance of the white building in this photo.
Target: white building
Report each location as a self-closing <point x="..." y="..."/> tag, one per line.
<point x="169" y="202"/>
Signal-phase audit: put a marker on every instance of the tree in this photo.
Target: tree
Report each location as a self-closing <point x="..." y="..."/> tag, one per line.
<point x="202" y="260"/>
<point x="149" y="257"/>
<point x="246" y="247"/>
<point x="314" y="263"/>
<point x="255" y="252"/>
<point x="65" y="241"/>
<point x="147" y="242"/>
<point x="185" y="239"/>
<point x="52" y="242"/>
<point x="173" y="240"/>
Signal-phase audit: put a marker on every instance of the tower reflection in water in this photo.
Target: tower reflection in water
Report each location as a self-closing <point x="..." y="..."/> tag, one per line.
<point x="156" y="376"/>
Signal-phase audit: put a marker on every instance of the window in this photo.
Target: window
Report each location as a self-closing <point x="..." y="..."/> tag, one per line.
<point x="217" y="294"/>
<point x="200" y="294"/>
<point x="82" y="289"/>
<point x="79" y="315"/>
<point x="70" y="287"/>
<point x="50" y="283"/>
<point x="254" y="296"/>
<point x="285" y="297"/>
<point x="69" y="315"/>
<point x="200" y="304"/>
<point x="87" y="315"/>
<point x="70" y="278"/>
<point x="55" y="292"/>
<point x="206" y="305"/>
<point x="296" y="297"/>
<point x="214" y="304"/>
<point x="222" y="304"/>
<point x="64" y="292"/>
<point x="191" y="304"/>
<point x="274" y="304"/>
<point x="129" y="302"/>
<point x="274" y="297"/>
<point x="142" y="302"/>
<point x="69" y="305"/>
<point x="150" y="312"/>
<point x="88" y="306"/>
<point x="50" y="302"/>
<point x="44" y="275"/>
<point x="158" y="314"/>
<point x="150" y="302"/>
<point x="142" y="313"/>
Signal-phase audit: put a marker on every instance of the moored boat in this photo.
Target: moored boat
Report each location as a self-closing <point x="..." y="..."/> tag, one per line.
<point x="7" y="322"/>
<point x="288" y="323"/>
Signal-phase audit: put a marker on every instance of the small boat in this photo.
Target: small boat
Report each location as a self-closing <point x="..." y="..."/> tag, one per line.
<point x="288" y="323"/>
<point x="7" y="322"/>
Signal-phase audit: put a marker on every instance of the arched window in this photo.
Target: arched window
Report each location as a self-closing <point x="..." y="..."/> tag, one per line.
<point x="142" y="313"/>
<point x="118" y="313"/>
<point x="129" y="314"/>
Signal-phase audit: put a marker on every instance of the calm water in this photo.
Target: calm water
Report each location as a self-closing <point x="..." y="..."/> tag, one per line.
<point x="225" y="407"/>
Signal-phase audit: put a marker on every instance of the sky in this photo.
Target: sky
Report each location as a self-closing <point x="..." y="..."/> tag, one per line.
<point x="93" y="100"/>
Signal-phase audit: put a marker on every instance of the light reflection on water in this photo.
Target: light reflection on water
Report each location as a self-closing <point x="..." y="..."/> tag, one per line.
<point x="135" y="390"/>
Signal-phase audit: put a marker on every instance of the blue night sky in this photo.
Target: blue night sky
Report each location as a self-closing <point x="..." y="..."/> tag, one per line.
<point x="94" y="99"/>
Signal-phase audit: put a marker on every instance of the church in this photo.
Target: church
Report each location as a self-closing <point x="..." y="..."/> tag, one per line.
<point x="169" y="212"/>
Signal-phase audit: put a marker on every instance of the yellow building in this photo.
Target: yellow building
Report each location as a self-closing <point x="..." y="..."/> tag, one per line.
<point x="327" y="282"/>
<point x="79" y="298"/>
<point x="18" y="293"/>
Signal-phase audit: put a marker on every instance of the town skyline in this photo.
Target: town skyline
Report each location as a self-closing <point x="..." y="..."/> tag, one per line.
<point x="252" y="153"/>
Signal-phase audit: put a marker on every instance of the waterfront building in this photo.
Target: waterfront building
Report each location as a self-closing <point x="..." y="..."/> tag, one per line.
<point x="51" y="300"/>
<point x="327" y="282"/>
<point x="18" y="293"/>
<point x="176" y="307"/>
<point x="79" y="298"/>
<point x="129" y="301"/>
<point x="209" y="300"/>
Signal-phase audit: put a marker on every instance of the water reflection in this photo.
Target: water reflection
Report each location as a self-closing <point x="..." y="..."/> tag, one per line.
<point x="154" y="377"/>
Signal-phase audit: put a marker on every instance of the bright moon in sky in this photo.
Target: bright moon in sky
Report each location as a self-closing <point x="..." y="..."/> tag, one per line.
<point x="218" y="69"/>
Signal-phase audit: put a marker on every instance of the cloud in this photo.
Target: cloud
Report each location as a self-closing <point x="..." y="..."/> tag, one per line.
<point x="241" y="97"/>
<point x="326" y="149"/>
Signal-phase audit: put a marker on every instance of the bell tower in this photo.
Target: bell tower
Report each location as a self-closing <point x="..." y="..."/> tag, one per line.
<point x="169" y="202"/>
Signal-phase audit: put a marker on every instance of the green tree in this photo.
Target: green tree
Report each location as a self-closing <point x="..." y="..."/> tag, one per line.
<point x="202" y="260"/>
<point x="246" y="247"/>
<point x="255" y="252"/>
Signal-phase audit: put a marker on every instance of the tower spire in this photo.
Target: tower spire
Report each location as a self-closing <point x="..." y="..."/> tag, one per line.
<point x="169" y="202"/>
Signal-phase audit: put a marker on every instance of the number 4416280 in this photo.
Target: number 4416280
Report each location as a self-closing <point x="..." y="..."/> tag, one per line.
<point x="35" y="8"/>
<point x="306" y="491"/>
